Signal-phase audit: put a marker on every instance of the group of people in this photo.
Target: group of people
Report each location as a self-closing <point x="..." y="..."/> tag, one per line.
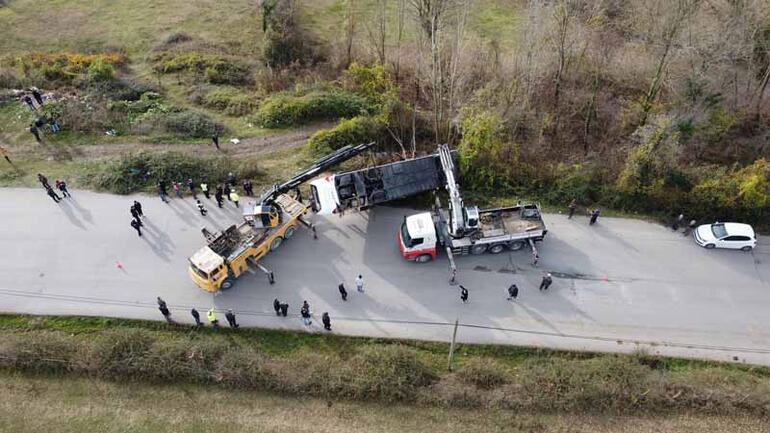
<point x="593" y="215"/>
<point x="513" y="289"/>
<point x="61" y="185"/>
<point x="282" y="309"/>
<point x="211" y="316"/>
<point x="226" y="190"/>
<point x="136" y="217"/>
<point x="34" y="101"/>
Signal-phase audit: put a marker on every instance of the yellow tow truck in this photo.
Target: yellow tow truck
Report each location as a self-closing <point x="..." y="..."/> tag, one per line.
<point x="268" y="222"/>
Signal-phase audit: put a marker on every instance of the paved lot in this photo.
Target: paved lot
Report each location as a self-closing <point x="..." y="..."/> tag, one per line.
<point x="619" y="285"/>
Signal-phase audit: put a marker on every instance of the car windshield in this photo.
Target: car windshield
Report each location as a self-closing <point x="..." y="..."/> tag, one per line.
<point x="405" y="235"/>
<point x="718" y="230"/>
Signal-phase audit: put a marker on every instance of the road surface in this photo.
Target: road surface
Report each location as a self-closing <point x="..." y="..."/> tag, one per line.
<point x="620" y="286"/>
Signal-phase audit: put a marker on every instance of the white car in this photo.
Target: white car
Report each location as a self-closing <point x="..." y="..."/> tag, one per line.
<point x="735" y="236"/>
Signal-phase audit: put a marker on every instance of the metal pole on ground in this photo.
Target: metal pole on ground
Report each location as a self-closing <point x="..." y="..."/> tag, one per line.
<point x="452" y="345"/>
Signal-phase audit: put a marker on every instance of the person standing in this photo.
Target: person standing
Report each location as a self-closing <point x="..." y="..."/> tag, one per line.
<point x="546" y="282"/>
<point x="205" y="189"/>
<point x="201" y="209"/>
<point x="162" y="192"/>
<point x="38" y="96"/>
<point x="61" y="185"/>
<point x="191" y="187"/>
<point x="212" y="316"/>
<point x="277" y="306"/>
<point x="327" y="321"/>
<point x="160" y="301"/>
<point x="51" y="193"/>
<point x="27" y="100"/>
<point x="43" y="181"/>
<point x="284" y="309"/>
<point x="197" y="317"/>
<point x="690" y="227"/>
<point x="248" y="188"/>
<point x="178" y="189"/>
<point x="343" y="292"/>
<point x="463" y="294"/>
<point x="230" y="316"/>
<point x="138" y="207"/>
<point x="360" y="283"/>
<point x="135" y="215"/>
<point x="227" y="191"/>
<point x="677" y="222"/>
<point x="34" y="131"/>
<point x="137" y="226"/>
<point x="218" y="196"/>
<point x="305" y="313"/>
<point x="535" y="257"/>
<point x="594" y="216"/>
<point x="215" y="140"/>
<point x="234" y="197"/>
<point x="513" y="292"/>
<point x="231" y="179"/>
<point x="572" y="207"/>
<point x="165" y="312"/>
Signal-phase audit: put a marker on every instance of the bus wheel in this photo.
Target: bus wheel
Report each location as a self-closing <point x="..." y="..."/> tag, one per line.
<point x="227" y="284"/>
<point x="478" y="249"/>
<point x="290" y="232"/>
<point x="425" y="258"/>
<point x="516" y="245"/>
<point x="496" y="248"/>
<point x="276" y="243"/>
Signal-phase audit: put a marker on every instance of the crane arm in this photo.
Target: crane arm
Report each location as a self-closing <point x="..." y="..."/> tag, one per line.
<point x="456" y="217"/>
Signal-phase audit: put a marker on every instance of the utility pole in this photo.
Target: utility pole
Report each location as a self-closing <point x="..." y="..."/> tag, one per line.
<point x="452" y="345"/>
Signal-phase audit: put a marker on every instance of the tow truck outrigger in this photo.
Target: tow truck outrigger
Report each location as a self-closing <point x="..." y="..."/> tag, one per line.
<point x="273" y="218"/>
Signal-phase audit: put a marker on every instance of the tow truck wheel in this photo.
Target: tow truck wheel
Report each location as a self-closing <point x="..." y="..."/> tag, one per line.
<point x="496" y="248"/>
<point x="290" y="232"/>
<point x="276" y="243"/>
<point x="425" y="258"/>
<point x="227" y="284"/>
<point x="478" y="249"/>
<point x="516" y="245"/>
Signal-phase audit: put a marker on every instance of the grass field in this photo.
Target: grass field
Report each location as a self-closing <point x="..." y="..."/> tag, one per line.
<point x="48" y="404"/>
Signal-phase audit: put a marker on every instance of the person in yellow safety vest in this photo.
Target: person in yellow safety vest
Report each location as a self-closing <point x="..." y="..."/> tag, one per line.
<point x="212" y="316"/>
<point x="205" y="189"/>
<point x="234" y="197"/>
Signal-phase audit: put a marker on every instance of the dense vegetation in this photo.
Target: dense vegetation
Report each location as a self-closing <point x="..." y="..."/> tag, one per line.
<point x="367" y="369"/>
<point x="655" y="106"/>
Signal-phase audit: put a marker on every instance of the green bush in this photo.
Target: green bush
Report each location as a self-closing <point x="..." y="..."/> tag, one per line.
<point x="143" y="170"/>
<point x="483" y="161"/>
<point x="228" y="73"/>
<point x="231" y="101"/>
<point x="120" y="354"/>
<point x="482" y="373"/>
<point x="101" y="70"/>
<point x="283" y="110"/>
<point x="390" y="373"/>
<point x="189" y="123"/>
<point x="48" y="352"/>
<point x="360" y="129"/>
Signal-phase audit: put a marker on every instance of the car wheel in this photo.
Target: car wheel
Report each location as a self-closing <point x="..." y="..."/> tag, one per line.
<point x="290" y="232"/>
<point x="496" y="248"/>
<point x="516" y="245"/>
<point x="746" y="248"/>
<point x="478" y="249"/>
<point x="227" y="284"/>
<point x="424" y="258"/>
<point x="709" y="246"/>
<point x="276" y="243"/>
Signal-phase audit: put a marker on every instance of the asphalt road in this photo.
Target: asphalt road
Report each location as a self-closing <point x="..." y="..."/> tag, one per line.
<point x="619" y="286"/>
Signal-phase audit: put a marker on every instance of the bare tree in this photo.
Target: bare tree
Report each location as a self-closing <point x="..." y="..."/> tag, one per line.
<point x="563" y="17"/>
<point x="350" y="31"/>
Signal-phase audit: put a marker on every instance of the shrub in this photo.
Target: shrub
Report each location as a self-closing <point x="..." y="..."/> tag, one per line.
<point x="738" y="194"/>
<point x="63" y="68"/>
<point x="482" y="162"/>
<point x="9" y="79"/>
<point x="228" y="73"/>
<point x="360" y="129"/>
<point x="188" y="123"/>
<point x="101" y="70"/>
<point x="143" y="170"/>
<point x="482" y="373"/>
<point x="285" y="110"/>
<point x="48" y="352"/>
<point x="121" y="352"/>
<point x="215" y="69"/>
<point x="232" y="101"/>
<point x="391" y="373"/>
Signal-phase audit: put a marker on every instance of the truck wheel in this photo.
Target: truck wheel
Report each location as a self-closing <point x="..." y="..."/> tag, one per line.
<point x="276" y="243"/>
<point x="709" y="246"/>
<point x="478" y="249"/>
<point x="496" y="248"/>
<point x="425" y="258"/>
<point x="290" y="232"/>
<point x="516" y="245"/>
<point x="227" y="284"/>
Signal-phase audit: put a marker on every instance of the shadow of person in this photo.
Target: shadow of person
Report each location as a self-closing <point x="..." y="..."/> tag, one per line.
<point x="65" y="207"/>
<point x="85" y="213"/>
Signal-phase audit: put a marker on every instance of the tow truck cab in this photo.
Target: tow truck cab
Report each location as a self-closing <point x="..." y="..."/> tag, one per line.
<point x="207" y="269"/>
<point x="417" y="239"/>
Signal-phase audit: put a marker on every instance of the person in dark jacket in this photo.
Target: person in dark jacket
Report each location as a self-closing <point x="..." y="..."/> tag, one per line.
<point x="230" y="316"/>
<point x="594" y="216"/>
<point x="327" y="321"/>
<point x="305" y="313"/>
<point x="162" y="192"/>
<point x="135" y="215"/>
<point x="218" y="196"/>
<point x="27" y="100"/>
<point x="277" y="306"/>
<point x="43" y="181"/>
<point x="62" y="186"/>
<point x="138" y="207"/>
<point x="463" y="294"/>
<point x="197" y="316"/>
<point x="284" y="309"/>
<point x="165" y="312"/>
<point x="51" y="193"/>
<point x="137" y="226"/>
<point x="34" y="131"/>
<point x="227" y="191"/>
<point x="546" y="282"/>
<point x="513" y="292"/>
<point x="215" y="140"/>
<point x="572" y="207"/>
<point x="38" y="96"/>
<point x="343" y="292"/>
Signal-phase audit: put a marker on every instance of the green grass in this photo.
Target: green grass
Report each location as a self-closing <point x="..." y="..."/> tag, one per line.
<point x="32" y="404"/>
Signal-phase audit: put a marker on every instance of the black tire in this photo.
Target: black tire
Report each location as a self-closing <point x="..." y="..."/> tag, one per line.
<point x="496" y="249"/>
<point x="747" y="248"/>
<point x="227" y="284"/>
<point x="516" y="245"/>
<point x="424" y="258"/>
<point x="478" y="249"/>
<point x="289" y="232"/>
<point x="709" y="246"/>
<point x="276" y="243"/>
